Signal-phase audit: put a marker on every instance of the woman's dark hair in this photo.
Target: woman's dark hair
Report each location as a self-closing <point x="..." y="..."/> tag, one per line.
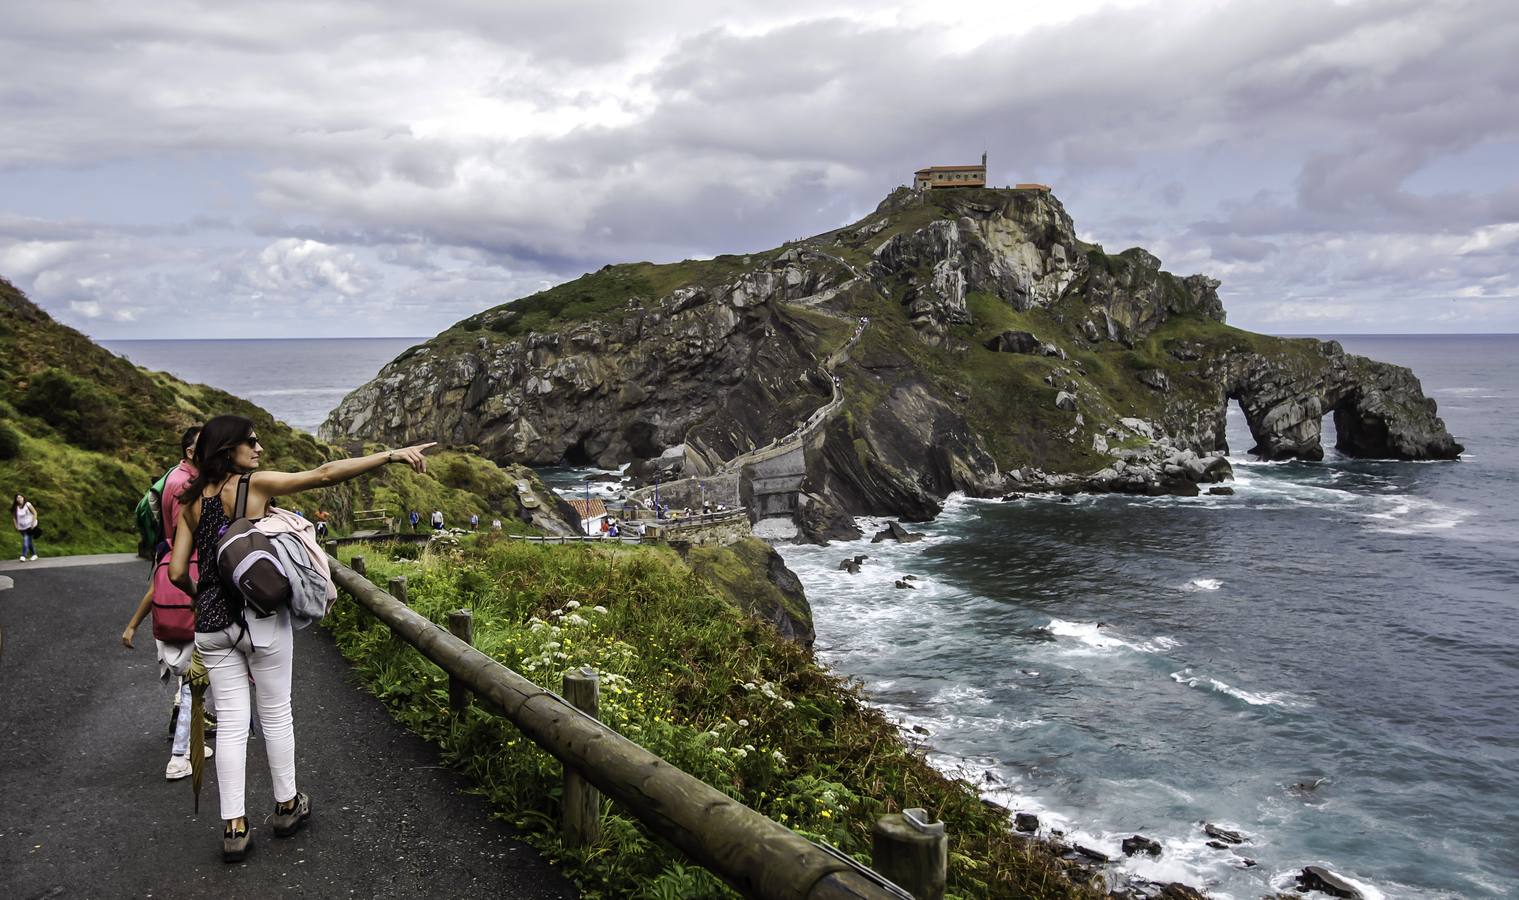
<point x="16" y="503"/>
<point x="213" y="455"/>
<point x="187" y="440"/>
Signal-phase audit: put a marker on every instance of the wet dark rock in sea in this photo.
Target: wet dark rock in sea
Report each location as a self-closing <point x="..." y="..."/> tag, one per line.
<point x="1140" y="844"/>
<point x="851" y="566"/>
<point x="1221" y="491"/>
<point x="1026" y="822"/>
<point x="1223" y="834"/>
<point x="1218" y="845"/>
<point x="894" y="531"/>
<point x="1318" y="878"/>
<point x="1078" y="850"/>
<point x="905" y="584"/>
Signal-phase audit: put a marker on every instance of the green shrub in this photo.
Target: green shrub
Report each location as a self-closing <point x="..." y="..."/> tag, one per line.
<point x="82" y="412"/>
<point x="10" y="442"/>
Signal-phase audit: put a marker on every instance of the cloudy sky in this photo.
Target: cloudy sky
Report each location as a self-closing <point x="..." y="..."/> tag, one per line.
<point x="332" y="168"/>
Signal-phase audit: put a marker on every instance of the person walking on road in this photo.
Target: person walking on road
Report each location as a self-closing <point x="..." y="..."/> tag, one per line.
<point x="24" y="517"/>
<point x="234" y="646"/>
<point x="173" y="656"/>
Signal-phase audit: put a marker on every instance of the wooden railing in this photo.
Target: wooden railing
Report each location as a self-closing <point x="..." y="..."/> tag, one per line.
<point x="755" y="855"/>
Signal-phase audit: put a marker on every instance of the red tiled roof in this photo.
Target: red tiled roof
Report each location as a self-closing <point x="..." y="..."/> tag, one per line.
<point x="589" y="509"/>
<point x="951" y="169"/>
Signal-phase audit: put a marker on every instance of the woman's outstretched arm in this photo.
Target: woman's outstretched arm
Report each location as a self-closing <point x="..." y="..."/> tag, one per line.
<point x="279" y="484"/>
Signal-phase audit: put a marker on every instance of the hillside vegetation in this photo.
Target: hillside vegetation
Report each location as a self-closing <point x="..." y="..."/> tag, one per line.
<point x="685" y="674"/>
<point x="83" y="432"/>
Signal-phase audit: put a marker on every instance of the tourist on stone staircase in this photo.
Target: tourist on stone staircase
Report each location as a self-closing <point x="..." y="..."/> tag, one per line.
<point x="234" y="646"/>
<point x="24" y="517"/>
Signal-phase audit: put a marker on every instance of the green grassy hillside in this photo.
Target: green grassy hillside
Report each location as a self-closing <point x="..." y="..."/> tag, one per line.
<point x="84" y="431"/>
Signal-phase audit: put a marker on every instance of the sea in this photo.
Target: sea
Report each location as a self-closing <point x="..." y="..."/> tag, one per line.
<point x="1326" y="662"/>
<point x="300" y="381"/>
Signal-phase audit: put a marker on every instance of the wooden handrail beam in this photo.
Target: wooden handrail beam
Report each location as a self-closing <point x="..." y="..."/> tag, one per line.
<point x="756" y="856"/>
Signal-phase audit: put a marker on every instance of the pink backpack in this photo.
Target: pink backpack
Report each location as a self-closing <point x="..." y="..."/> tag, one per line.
<point x="173" y="609"/>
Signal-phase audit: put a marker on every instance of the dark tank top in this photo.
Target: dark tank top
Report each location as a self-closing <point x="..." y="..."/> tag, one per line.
<point x="212" y="611"/>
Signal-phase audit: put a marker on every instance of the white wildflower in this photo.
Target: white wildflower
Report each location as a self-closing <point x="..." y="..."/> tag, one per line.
<point x="743" y="723"/>
<point x="573" y="604"/>
<point x="600" y="609"/>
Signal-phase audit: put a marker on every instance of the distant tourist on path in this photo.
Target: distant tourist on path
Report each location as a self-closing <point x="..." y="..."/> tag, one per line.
<point x="234" y="647"/>
<point x="173" y="656"/>
<point x="24" y="517"/>
<point x="495" y="524"/>
<point x="415" y="518"/>
<point x="437" y="520"/>
<point x="474" y="522"/>
<point x="322" y="516"/>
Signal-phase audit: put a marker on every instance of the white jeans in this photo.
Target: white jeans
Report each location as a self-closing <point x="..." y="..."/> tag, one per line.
<point x="265" y="652"/>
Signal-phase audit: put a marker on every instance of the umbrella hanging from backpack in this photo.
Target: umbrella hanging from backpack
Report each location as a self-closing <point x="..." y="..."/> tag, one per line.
<point x="200" y="679"/>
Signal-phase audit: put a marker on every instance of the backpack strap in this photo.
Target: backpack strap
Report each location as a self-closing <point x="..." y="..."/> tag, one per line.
<point x="240" y="505"/>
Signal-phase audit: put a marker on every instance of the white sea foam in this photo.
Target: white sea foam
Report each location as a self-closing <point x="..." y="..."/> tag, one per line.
<point x="1089" y="634"/>
<point x="1280" y="699"/>
<point x="1203" y="584"/>
<point x="1080" y="638"/>
<point x="1403" y="514"/>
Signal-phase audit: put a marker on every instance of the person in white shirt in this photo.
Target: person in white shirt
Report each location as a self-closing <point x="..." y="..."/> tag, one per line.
<point x="24" y="517"/>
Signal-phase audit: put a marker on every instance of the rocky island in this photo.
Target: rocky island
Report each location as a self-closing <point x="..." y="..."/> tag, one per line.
<point x="952" y="340"/>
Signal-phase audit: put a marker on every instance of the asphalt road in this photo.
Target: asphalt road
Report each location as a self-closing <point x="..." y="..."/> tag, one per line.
<point x="85" y="810"/>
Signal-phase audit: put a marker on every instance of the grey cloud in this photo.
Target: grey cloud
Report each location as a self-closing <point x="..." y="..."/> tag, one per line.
<point x="729" y="138"/>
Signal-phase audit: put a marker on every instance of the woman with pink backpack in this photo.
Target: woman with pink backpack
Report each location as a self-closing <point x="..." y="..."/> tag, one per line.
<point x="173" y="616"/>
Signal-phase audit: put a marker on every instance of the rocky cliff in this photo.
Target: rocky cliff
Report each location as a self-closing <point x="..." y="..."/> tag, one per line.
<point x="955" y="340"/>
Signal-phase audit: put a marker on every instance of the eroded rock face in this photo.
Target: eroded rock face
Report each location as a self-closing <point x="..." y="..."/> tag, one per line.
<point x="1379" y="409"/>
<point x="738" y="361"/>
<point x="727" y="366"/>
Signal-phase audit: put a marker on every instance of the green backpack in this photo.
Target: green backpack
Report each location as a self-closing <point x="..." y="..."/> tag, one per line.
<point x="150" y="518"/>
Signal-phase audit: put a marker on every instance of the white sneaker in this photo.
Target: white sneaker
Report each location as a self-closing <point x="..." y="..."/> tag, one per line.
<point x="23" y="558"/>
<point x="34" y="557"/>
<point x="179" y="767"/>
<point x="210" y="752"/>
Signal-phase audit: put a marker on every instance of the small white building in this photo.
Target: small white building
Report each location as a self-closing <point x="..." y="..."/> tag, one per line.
<point x="593" y="513"/>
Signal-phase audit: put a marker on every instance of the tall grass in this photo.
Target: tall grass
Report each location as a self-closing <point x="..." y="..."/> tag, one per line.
<point x="693" y="680"/>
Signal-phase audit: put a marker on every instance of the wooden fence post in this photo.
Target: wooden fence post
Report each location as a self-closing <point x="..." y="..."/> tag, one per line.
<point x="582" y="802"/>
<point x="359" y="567"/>
<point x="398" y="589"/>
<point x="461" y="624"/>
<point x="332" y="549"/>
<point x="912" y="852"/>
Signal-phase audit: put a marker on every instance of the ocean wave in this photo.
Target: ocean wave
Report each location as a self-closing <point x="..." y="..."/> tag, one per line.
<point x="1203" y="584"/>
<point x="1279" y="699"/>
<point x="1089" y="637"/>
